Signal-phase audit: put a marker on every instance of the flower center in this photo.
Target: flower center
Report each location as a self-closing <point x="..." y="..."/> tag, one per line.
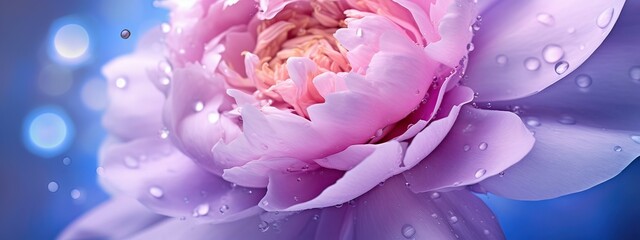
<point x="300" y="30"/>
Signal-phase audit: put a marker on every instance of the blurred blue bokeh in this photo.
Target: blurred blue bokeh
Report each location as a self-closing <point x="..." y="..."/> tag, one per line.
<point x="52" y="83"/>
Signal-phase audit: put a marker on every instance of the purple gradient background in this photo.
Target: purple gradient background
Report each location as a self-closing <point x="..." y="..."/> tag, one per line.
<point x="29" y="211"/>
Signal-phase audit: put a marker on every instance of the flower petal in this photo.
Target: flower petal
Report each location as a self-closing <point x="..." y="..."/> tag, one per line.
<point x="392" y="211"/>
<point x="578" y="128"/>
<point x="455" y="34"/>
<point x="521" y="30"/>
<point x="118" y="218"/>
<point x="135" y="106"/>
<point x="168" y="182"/>
<point x="480" y="144"/>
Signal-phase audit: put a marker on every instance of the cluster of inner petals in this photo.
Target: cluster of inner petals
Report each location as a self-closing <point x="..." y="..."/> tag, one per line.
<point x="303" y="30"/>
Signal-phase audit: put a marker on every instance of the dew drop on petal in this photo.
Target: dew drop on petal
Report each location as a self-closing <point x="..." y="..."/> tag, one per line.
<point x="164" y="133"/>
<point x="561" y="67"/>
<point x="213" y="117"/>
<point x="583" y="81"/>
<point x="483" y="146"/>
<point x="53" y="186"/>
<point x="532" y="64"/>
<point x="223" y="208"/>
<point x="546" y="19"/>
<point x="470" y="47"/>
<point x="604" y="18"/>
<point x="552" y="53"/>
<point x="199" y="106"/>
<point x="636" y="138"/>
<point x="435" y="195"/>
<point x="156" y="192"/>
<point x="617" y="149"/>
<point x="131" y="162"/>
<point x="165" y="67"/>
<point x="201" y="210"/>
<point x="316" y="217"/>
<point x="125" y="33"/>
<point x="480" y="173"/>
<point x="533" y="122"/>
<point x="567" y="120"/>
<point x="165" y="81"/>
<point x="166" y="28"/>
<point x="486" y="232"/>
<point x="453" y="219"/>
<point x="466" y="147"/>
<point x="634" y="73"/>
<point x="263" y="226"/>
<point x="408" y="231"/>
<point x="121" y="82"/>
<point x="502" y="60"/>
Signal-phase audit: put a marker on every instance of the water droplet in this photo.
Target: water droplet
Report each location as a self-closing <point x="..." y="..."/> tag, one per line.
<point x="502" y="60"/>
<point x="501" y="174"/>
<point x="166" y="28"/>
<point x="604" y="18"/>
<point x="466" y="147"/>
<point x="480" y="172"/>
<point x="407" y="184"/>
<point x="125" y="33"/>
<point x="298" y="179"/>
<point x="408" y="231"/>
<point x="634" y="73"/>
<point x="75" y="194"/>
<point x="583" y="81"/>
<point x="100" y="171"/>
<point x="165" y="81"/>
<point x="483" y="146"/>
<point x="453" y="219"/>
<point x="121" y="82"/>
<point x="339" y="205"/>
<point x="52" y="186"/>
<point x="359" y="32"/>
<point x="66" y="161"/>
<point x="223" y="208"/>
<point x="165" y="67"/>
<point x="199" y="106"/>
<point x="435" y="195"/>
<point x="470" y="47"/>
<point x="156" y="192"/>
<point x="316" y="217"/>
<point x="546" y="19"/>
<point x="617" y="149"/>
<point x="533" y="122"/>
<point x="164" y="133"/>
<point x="532" y="64"/>
<point x="561" y="67"/>
<point x="201" y="210"/>
<point x="636" y="138"/>
<point x="131" y="162"/>
<point x="567" y="120"/>
<point x="486" y="232"/>
<point x="552" y="53"/>
<point x="379" y="132"/>
<point x="213" y="117"/>
<point x="263" y="226"/>
<point x="265" y="203"/>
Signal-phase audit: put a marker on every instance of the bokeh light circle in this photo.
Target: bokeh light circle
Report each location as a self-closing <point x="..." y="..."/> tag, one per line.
<point x="71" y="41"/>
<point x="47" y="131"/>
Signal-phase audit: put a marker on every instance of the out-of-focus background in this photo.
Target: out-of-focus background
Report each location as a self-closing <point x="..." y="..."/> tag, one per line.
<point x="52" y="95"/>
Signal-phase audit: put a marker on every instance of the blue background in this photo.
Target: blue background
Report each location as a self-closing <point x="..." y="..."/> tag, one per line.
<point x="28" y="210"/>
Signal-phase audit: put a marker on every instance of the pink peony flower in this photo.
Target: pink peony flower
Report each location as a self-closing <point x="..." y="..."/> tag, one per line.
<point x="354" y="119"/>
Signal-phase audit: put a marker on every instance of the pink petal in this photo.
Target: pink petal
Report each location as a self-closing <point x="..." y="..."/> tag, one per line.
<point x="119" y="217"/>
<point x="480" y="144"/>
<point x="169" y="183"/>
<point x="511" y="29"/>
<point x="454" y="29"/>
